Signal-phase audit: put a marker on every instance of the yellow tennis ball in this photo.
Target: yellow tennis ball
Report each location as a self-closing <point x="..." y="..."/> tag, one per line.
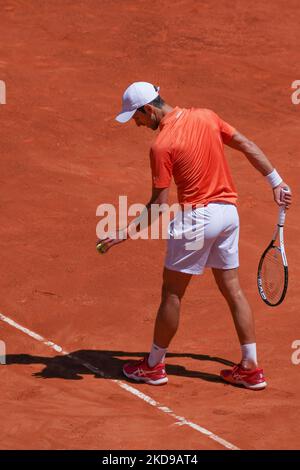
<point x="101" y="248"/>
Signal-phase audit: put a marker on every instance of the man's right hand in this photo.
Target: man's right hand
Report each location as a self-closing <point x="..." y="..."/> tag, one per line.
<point x="109" y="242"/>
<point x="282" y="198"/>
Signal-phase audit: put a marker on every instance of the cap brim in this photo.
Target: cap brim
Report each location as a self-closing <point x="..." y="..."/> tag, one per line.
<point x="125" y="116"/>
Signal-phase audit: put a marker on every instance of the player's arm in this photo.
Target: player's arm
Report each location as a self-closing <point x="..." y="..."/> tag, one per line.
<point x="159" y="196"/>
<point x="258" y="159"/>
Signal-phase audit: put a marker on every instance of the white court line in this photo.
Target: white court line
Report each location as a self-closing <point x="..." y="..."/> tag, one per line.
<point x="179" y="420"/>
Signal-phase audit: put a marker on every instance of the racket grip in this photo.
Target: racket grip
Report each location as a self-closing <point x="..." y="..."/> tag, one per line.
<point x="281" y="217"/>
<point x="282" y="211"/>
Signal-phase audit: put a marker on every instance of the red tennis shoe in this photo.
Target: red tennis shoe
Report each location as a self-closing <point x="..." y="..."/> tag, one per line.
<point x="253" y="379"/>
<point x="141" y="372"/>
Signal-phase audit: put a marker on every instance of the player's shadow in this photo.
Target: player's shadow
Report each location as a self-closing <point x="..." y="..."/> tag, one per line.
<point x="107" y="364"/>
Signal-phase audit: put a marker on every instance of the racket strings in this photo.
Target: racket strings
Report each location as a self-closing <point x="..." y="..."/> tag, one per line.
<point x="273" y="275"/>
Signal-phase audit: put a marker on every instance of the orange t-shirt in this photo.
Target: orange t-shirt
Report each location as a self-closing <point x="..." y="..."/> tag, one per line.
<point x="190" y="148"/>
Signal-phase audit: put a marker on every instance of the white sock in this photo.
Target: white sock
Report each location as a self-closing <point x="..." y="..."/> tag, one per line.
<point x="156" y="355"/>
<point x="249" y="353"/>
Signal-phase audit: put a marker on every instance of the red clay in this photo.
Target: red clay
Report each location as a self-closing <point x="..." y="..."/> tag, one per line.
<point x="65" y="66"/>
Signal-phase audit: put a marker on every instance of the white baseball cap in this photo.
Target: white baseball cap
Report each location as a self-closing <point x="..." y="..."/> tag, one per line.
<point x="135" y="96"/>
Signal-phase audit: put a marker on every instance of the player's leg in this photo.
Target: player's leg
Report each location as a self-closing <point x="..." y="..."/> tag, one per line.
<point x="247" y="372"/>
<point x="228" y="282"/>
<point x="151" y="369"/>
<point x="167" y="320"/>
<point x="224" y="261"/>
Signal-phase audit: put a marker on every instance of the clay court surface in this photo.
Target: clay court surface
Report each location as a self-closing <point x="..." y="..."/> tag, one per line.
<point x="65" y="65"/>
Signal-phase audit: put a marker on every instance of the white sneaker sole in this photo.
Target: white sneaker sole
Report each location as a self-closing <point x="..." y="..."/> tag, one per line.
<point x="146" y="380"/>
<point x="259" y="386"/>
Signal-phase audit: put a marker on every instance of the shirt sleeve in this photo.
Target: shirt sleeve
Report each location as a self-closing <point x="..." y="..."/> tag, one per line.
<point x="161" y="167"/>
<point x="227" y="131"/>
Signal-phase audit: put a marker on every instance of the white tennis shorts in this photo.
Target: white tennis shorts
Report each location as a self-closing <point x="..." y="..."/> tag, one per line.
<point x="204" y="237"/>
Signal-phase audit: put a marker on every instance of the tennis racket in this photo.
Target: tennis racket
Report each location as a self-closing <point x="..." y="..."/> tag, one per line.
<point x="272" y="274"/>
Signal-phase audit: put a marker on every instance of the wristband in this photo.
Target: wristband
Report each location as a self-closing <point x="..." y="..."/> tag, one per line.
<point x="274" y="179"/>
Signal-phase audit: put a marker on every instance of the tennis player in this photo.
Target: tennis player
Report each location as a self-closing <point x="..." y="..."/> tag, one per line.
<point x="190" y="148"/>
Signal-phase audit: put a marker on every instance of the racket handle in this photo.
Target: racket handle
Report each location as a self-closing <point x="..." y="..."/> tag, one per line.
<point x="282" y="210"/>
<point x="281" y="217"/>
